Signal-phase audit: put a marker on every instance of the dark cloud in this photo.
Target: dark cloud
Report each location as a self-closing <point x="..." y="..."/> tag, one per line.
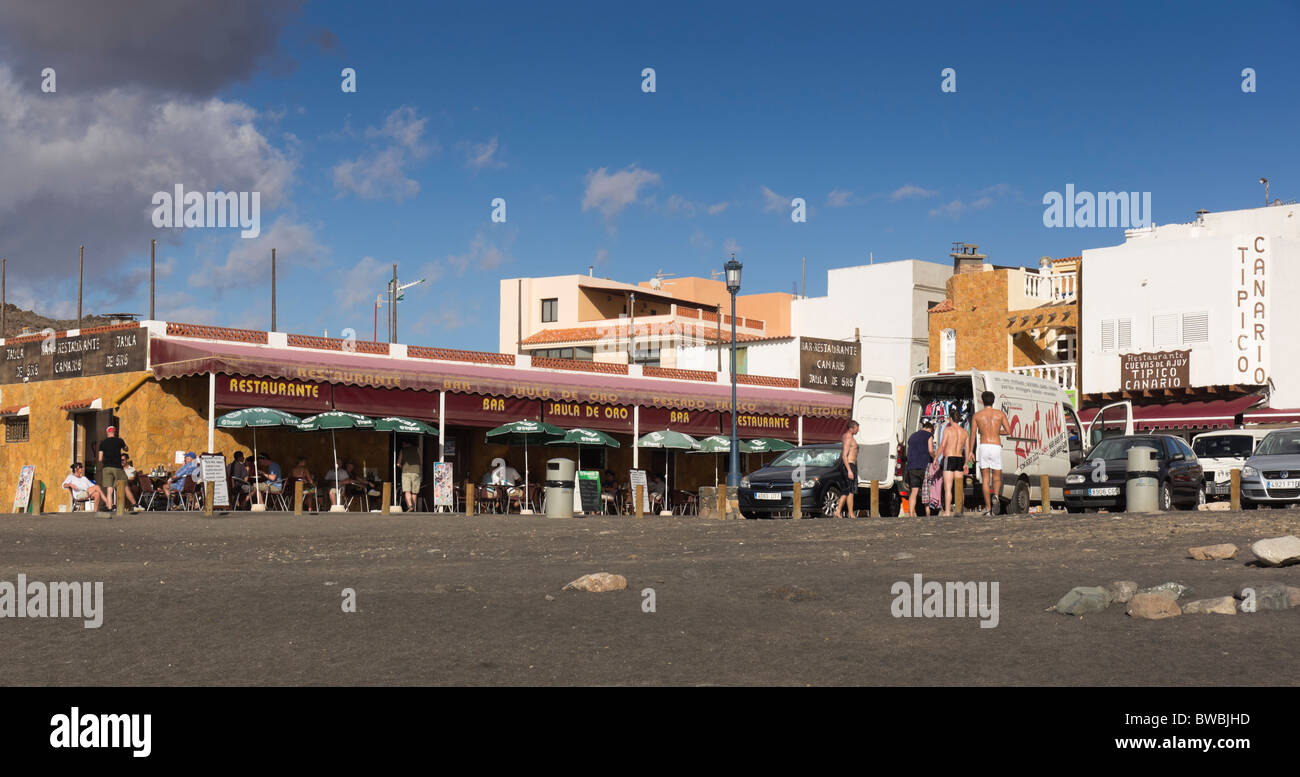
<point x="192" y="47"/>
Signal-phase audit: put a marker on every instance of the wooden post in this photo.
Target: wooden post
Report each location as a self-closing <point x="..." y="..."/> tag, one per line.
<point x="722" y="500"/>
<point x="119" y="504"/>
<point x="798" y="500"/>
<point x="959" y="492"/>
<point x="297" y="498"/>
<point x="209" y="494"/>
<point x="875" y="499"/>
<point x="387" y="492"/>
<point x="637" y="497"/>
<point x="469" y="498"/>
<point x="1235" y="489"/>
<point x="1045" y="487"/>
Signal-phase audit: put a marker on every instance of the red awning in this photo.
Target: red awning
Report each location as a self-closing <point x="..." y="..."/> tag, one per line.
<point x="1212" y="414"/>
<point x="176" y="358"/>
<point x="1274" y="415"/>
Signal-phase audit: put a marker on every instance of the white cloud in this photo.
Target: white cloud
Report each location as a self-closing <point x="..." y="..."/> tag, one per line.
<point x="838" y="198"/>
<point x="730" y="246"/>
<point x="957" y="208"/>
<point x="611" y="193"/>
<point x="773" y="201"/>
<point x="911" y="191"/>
<point x="484" y="254"/>
<point x="602" y="256"/>
<point x="296" y="254"/>
<point x="381" y="173"/>
<point x="717" y="208"/>
<point x="700" y="240"/>
<point x="480" y="155"/>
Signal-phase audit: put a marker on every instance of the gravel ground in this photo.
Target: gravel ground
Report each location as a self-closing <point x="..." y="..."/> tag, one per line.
<point x="251" y="599"/>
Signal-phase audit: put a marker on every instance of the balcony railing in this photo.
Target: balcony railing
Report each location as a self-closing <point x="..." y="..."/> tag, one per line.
<point x="1057" y="287"/>
<point x="1063" y="374"/>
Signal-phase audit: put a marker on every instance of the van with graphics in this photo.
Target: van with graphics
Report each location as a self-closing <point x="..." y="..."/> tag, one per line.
<point x="1046" y="436"/>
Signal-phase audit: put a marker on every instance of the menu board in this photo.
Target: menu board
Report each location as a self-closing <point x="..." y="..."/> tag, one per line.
<point x="104" y="353"/>
<point x="212" y="468"/>
<point x="636" y="477"/>
<point x="24" y="493"/>
<point x="443" y="487"/>
<point x="588" y="490"/>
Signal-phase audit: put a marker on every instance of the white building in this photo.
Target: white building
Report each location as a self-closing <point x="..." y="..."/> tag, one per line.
<point x="884" y="305"/>
<point x="1196" y="313"/>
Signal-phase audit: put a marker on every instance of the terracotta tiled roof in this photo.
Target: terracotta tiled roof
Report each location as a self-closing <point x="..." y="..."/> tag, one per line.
<point x="336" y="344"/>
<point x="11" y="410"/>
<point x="768" y="380"/>
<point x="608" y="368"/>
<point x="943" y="307"/>
<point x="454" y="355"/>
<point x="651" y="371"/>
<point x="78" y="404"/>
<point x="217" y="333"/>
<point x="587" y="334"/>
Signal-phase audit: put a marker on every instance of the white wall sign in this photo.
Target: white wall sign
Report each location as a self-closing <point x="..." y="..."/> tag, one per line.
<point x="1250" y="310"/>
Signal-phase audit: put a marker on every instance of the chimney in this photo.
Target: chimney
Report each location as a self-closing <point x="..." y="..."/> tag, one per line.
<point x="966" y="258"/>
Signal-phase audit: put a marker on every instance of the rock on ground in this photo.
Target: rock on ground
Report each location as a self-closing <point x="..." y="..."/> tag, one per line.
<point x="1294" y="594"/>
<point x="1122" y="590"/>
<point x="598" y="582"/>
<point x="1172" y="590"/>
<point x="1084" y="599"/>
<point x="1278" y="550"/>
<point x="1268" y="596"/>
<point x="1153" y="606"/>
<point x="1220" y="605"/>
<point x="1213" y="552"/>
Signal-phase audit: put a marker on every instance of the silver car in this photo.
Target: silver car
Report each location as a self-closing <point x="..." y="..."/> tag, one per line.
<point x="1272" y="474"/>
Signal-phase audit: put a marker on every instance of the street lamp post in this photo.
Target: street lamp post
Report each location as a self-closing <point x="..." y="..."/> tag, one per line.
<point x="733" y="286"/>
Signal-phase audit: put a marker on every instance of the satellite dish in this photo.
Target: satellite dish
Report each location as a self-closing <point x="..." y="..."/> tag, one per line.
<point x="656" y="283"/>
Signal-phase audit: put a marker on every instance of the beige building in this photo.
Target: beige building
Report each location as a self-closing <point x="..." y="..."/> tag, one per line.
<point x="585" y="318"/>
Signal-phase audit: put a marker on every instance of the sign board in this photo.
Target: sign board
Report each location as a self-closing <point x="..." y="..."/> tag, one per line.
<point x="829" y="365"/>
<point x="291" y="395"/>
<point x="587" y="491"/>
<point x="443" y="486"/>
<point x="212" y="468"/>
<point x="636" y="478"/>
<point x="24" y="493"/>
<point x="50" y="358"/>
<point x="1159" y="370"/>
<point x="1251" y="306"/>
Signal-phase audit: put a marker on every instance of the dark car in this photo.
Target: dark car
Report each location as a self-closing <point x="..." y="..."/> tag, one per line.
<point x="1091" y="485"/>
<point x="770" y="490"/>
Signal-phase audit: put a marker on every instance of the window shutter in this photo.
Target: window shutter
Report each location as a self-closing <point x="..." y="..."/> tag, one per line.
<point x="1125" y="334"/>
<point x="1108" y="335"/>
<point x="1196" y="328"/>
<point x="1164" y="330"/>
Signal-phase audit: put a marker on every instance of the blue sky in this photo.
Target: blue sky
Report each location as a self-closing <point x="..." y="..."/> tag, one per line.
<point x="756" y="103"/>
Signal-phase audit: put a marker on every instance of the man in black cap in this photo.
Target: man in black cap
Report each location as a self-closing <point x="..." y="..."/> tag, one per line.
<point x="920" y="451"/>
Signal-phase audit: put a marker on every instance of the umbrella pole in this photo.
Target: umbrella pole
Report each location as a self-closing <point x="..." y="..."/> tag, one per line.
<point x="396" y="494"/>
<point x="525" y="501"/>
<point x="255" y="488"/>
<point x="338" y="487"/>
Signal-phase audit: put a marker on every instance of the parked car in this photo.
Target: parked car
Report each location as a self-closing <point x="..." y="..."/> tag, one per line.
<point x="1272" y="474"/>
<point x="1181" y="478"/>
<point x="1223" y="451"/>
<point x="770" y="491"/>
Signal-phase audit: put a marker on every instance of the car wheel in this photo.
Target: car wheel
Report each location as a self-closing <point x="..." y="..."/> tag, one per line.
<point x="1246" y="504"/>
<point x="1166" y="496"/>
<point x="1019" y="498"/>
<point x="830" y="501"/>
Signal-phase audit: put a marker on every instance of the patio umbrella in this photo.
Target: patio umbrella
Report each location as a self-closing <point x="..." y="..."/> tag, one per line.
<point x="253" y="417"/>
<point x="522" y="433"/>
<point x="335" y="419"/>
<point x="768" y="445"/>
<point x="719" y="444"/>
<point x="668" y="440"/>
<point x="395" y="424"/>
<point x="581" y="437"/>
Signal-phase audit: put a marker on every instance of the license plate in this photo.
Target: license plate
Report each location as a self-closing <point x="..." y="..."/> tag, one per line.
<point x="766" y="495"/>
<point x="1284" y="484"/>
<point x="1103" y="491"/>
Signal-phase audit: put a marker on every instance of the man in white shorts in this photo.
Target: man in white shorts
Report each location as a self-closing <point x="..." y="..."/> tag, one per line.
<point x="82" y="489"/>
<point x="990" y="423"/>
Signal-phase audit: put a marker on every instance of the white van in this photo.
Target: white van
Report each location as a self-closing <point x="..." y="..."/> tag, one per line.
<point x="1046" y="435"/>
<point x="1223" y="451"/>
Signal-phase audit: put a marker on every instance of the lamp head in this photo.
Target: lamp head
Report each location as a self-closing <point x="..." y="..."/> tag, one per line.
<point x="733" y="268"/>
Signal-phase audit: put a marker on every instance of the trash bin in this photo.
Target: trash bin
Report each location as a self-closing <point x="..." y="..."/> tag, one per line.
<point x="559" y="488"/>
<point x="1142" y="491"/>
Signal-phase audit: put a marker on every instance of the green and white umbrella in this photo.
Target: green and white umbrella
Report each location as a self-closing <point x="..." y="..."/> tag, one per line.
<point x="769" y="445"/>
<point x="397" y="424"/>
<point x="252" y="418"/>
<point x="523" y="433"/>
<point x="718" y="444"/>
<point x="669" y="440"/>
<point x="331" y="420"/>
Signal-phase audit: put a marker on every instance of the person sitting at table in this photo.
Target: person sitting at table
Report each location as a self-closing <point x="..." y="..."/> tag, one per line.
<point x="130" y="488"/>
<point x="502" y="474"/>
<point x="238" y="472"/>
<point x="301" y="472"/>
<point x="267" y="474"/>
<point x="609" y="490"/>
<point x="82" y="489"/>
<point x="191" y="467"/>
<point x="657" y="490"/>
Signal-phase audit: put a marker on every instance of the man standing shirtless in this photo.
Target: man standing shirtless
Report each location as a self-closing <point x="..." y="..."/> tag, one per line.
<point x="849" y="455"/>
<point x="991" y="424"/>
<point x="954" y="460"/>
